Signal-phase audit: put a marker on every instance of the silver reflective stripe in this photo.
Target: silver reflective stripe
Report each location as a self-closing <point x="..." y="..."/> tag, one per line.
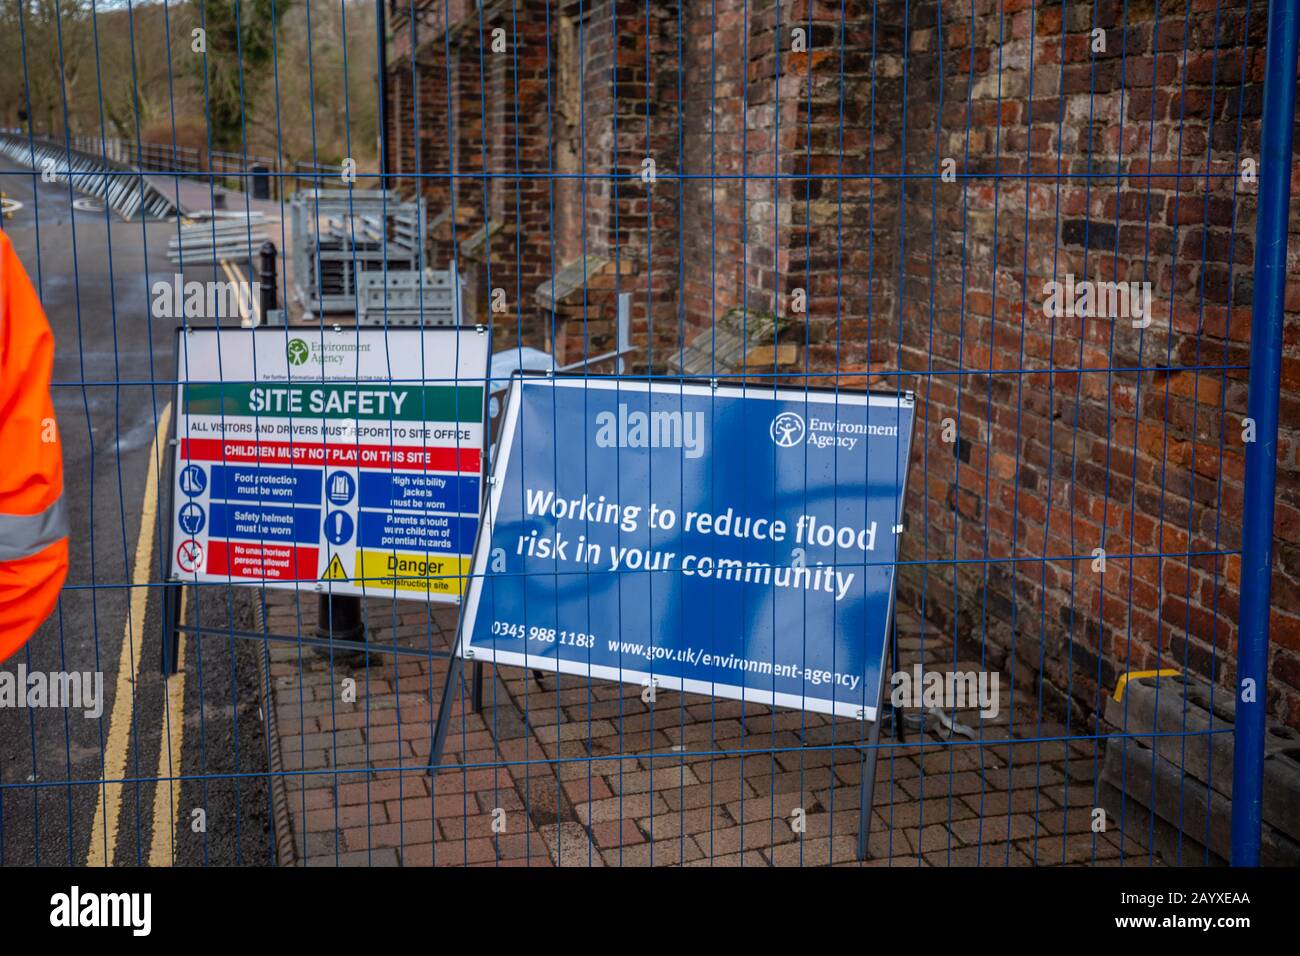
<point x="24" y="535"/>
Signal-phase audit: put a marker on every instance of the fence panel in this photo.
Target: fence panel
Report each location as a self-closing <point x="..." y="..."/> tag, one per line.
<point x="838" y="433"/>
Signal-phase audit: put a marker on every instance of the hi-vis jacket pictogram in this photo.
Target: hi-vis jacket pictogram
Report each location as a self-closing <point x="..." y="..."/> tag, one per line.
<point x="33" y="527"/>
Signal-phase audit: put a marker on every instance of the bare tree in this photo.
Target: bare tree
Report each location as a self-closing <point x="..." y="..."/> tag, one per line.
<point x="47" y="51"/>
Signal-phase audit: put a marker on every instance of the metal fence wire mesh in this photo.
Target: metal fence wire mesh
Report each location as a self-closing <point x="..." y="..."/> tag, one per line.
<point x="372" y="561"/>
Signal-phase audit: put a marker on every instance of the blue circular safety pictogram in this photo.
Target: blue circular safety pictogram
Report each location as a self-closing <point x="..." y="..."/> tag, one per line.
<point x="338" y="527"/>
<point x="192" y="518"/>
<point x="193" y="480"/>
<point x="339" y="488"/>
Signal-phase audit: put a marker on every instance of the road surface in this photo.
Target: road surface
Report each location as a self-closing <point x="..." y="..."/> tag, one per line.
<point x="112" y="367"/>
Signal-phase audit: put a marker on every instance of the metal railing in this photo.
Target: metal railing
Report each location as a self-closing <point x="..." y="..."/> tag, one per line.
<point x="110" y="180"/>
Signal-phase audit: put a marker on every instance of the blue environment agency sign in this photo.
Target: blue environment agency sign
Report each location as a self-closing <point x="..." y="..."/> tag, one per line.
<point x="732" y="542"/>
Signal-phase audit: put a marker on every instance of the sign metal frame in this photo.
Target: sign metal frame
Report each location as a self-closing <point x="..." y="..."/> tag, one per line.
<point x="869" y="748"/>
<point x="173" y="582"/>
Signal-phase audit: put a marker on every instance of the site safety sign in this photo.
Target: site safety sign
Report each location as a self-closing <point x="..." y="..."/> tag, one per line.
<point x="734" y="542"/>
<point x="347" y="460"/>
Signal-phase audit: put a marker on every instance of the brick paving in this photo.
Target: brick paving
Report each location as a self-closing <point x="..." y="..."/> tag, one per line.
<point x="557" y="771"/>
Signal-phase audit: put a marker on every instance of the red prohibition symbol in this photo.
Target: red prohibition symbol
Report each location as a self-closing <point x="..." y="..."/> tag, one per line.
<point x="189" y="556"/>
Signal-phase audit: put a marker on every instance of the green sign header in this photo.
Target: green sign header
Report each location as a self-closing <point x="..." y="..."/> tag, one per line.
<point x="415" y="403"/>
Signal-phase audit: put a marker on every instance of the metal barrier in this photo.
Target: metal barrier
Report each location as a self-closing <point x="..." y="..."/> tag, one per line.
<point x="1022" y="229"/>
<point x="123" y="190"/>
<point x="159" y="157"/>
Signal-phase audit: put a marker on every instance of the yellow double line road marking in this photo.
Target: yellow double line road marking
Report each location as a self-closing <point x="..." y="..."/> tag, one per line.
<point x="250" y="310"/>
<point x="167" y="791"/>
<point x="108" y="803"/>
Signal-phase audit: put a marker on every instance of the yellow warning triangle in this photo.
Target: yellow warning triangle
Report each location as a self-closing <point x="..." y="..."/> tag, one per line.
<point x="335" y="571"/>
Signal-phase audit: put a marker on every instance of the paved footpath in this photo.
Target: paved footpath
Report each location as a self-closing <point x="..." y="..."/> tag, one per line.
<point x="556" y="771"/>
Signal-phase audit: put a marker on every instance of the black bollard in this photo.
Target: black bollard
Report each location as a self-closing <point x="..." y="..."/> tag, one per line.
<point x="266" y="280"/>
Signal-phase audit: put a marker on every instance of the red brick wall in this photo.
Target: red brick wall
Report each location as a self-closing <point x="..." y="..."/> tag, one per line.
<point x="419" y="126"/>
<point x="620" y="64"/>
<point x="757" y="236"/>
<point x="1038" y="438"/>
<point x="1140" y="452"/>
<point x="713" y="226"/>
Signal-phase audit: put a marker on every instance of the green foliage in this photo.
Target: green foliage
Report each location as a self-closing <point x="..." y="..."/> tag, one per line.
<point x="241" y="36"/>
<point x="758" y="327"/>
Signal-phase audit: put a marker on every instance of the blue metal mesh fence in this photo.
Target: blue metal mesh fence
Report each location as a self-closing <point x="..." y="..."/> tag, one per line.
<point x="306" y="623"/>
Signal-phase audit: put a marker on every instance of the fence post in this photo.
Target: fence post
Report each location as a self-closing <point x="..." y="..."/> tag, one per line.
<point x="381" y="37"/>
<point x="1261" y="453"/>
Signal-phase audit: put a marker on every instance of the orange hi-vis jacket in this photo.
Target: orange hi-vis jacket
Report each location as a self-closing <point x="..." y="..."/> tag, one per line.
<point x="33" y="526"/>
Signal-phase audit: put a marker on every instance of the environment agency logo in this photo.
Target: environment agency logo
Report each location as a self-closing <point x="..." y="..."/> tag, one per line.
<point x="297" y="351"/>
<point x="787" y="429"/>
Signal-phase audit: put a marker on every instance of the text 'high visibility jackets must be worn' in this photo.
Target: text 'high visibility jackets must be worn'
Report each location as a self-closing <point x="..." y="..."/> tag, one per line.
<point x="33" y="526"/>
